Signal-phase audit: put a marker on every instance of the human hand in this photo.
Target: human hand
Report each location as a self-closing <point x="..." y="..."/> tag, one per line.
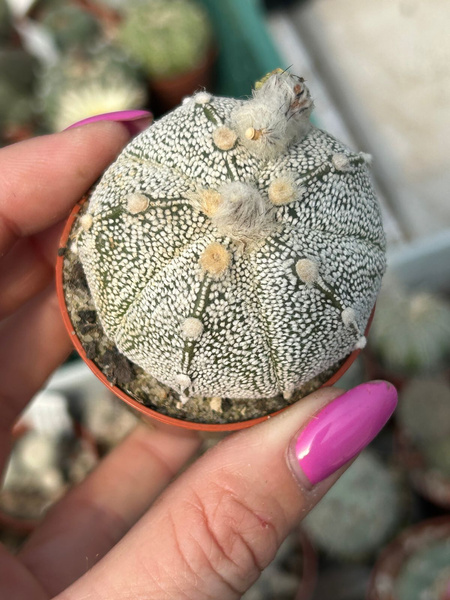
<point x="131" y="530"/>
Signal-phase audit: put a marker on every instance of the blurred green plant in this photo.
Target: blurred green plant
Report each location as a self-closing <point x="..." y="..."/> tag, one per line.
<point x="410" y="333"/>
<point x="167" y="37"/>
<point x="426" y="575"/>
<point x="423" y="416"/>
<point x="5" y="22"/>
<point x="70" y="26"/>
<point x="17" y="83"/>
<point x="83" y="85"/>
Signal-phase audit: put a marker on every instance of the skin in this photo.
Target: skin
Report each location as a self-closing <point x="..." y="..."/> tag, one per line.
<point x="133" y="529"/>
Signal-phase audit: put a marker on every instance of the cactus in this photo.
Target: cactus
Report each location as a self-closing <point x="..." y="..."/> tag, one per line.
<point x="351" y="522"/>
<point x="167" y="37"/>
<point x="233" y="250"/>
<point x="424" y="417"/>
<point x="424" y="410"/>
<point x="411" y="330"/>
<point x="425" y="575"/>
<point x="70" y="26"/>
<point x="80" y="86"/>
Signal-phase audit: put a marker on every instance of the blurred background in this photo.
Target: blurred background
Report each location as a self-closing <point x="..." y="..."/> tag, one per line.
<point x="380" y="76"/>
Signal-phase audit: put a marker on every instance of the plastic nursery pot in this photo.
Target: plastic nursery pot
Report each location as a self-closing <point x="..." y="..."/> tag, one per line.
<point x="199" y="425"/>
<point x="415" y="553"/>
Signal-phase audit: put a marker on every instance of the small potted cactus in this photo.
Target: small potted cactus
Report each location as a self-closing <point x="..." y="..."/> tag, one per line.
<point x="172" y="41"/>
<point x="351" y="522"/>
<point x="70" y="26"/>
<point x="423" y="436"/>
<point x="227" y="263"/>
<point x="81" y="85"/>
<point x="416" y="565"/>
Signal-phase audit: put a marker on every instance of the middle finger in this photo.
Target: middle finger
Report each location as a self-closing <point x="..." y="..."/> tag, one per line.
<point x="87" y="522"/>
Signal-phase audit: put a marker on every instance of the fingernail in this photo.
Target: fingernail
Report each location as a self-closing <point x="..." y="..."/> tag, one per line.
<point x="343" y="428"/>
<point x="134" y="120"/>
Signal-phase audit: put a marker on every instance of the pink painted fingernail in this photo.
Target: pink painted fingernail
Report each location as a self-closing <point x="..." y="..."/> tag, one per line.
<point x="134" y="120"/>
<point x="343" y="428"/>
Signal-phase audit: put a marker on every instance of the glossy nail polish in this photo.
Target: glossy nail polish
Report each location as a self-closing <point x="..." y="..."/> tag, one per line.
<point x="134" y="120"/>
<point x="343" y="428"/>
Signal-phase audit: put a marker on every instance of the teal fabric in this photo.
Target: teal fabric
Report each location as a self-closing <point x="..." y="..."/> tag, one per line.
<point x="246" y="51"/>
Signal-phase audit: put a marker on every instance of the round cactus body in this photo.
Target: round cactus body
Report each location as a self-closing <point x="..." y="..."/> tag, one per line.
<point x="167" y="37"/>
<point x="70" y="26"/>
<point x="233" y="249"/>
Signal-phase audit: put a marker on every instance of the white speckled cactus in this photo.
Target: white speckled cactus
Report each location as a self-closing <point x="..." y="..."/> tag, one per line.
<point x="233" y="249"/>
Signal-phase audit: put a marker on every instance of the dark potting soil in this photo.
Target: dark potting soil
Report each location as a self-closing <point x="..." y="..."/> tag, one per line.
<point x="133" y="380"/>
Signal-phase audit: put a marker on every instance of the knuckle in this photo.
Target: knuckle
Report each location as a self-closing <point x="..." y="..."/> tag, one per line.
<point x="238" y="541"/>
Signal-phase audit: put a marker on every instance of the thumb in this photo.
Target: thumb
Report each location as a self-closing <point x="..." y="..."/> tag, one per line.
<point x="213" y="530"/>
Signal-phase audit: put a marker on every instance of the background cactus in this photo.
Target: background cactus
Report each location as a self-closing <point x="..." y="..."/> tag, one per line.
<point x="424" y="418"/>
<point x="351" y="522"/>
<point x="425" y="575"/>
<point x="167" y="37"/>
<point x="233" y="250"/>
<point x="70" y="26"/>
<point x="86" y="84"/>
<point x="411" y="330"/>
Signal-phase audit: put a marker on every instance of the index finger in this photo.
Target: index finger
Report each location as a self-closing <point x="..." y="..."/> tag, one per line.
<point x="42" y="178"/>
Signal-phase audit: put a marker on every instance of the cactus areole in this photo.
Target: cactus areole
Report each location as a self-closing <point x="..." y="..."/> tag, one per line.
<point x="233" y="253"/>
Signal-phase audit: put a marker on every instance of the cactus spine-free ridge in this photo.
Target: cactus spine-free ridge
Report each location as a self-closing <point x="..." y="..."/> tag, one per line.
<point x="233" y="249"/>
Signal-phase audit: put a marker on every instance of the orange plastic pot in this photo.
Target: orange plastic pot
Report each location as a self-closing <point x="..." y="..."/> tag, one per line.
<point x="145" y="410"/>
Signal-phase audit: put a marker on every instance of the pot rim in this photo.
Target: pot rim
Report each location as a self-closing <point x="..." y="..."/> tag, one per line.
<point x="145" y="410"/>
